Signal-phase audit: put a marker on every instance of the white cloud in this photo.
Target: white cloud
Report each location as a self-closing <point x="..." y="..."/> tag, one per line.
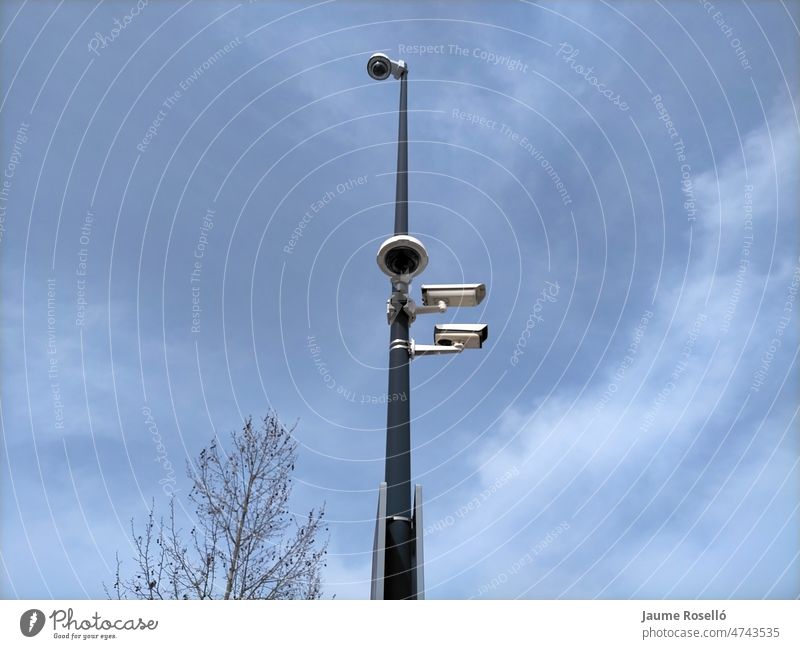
<point x="568" y="451"/>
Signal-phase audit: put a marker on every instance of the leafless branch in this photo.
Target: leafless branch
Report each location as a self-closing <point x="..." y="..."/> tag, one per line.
<point x="241" y="544"/>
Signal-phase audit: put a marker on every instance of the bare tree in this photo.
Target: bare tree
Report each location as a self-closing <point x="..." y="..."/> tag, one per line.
<point x="245" y="544"/>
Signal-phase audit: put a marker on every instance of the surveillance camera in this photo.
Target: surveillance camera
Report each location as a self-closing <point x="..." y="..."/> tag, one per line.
<point x="453" y="294"/>
<point x="471" y="336"/>
<point x="381" y="66"/>
<point x="402" y="255"/>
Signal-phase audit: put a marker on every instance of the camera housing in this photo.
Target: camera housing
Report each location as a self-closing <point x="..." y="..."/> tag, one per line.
<point x="453" y="294"/>
<point x="381" y="66"/>
<point x="402" y="256"/>
<point x="471" y="336"/>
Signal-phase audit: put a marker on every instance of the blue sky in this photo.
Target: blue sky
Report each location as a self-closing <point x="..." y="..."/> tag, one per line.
<point x="622" y="177"/>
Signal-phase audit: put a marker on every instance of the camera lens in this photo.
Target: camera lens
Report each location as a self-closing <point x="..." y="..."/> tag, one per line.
<point x="402" y="260"/>
<point x="380" y="69"/>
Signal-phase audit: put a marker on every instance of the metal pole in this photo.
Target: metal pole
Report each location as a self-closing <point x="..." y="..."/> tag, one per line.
<point x="401" y="194"/>
<point x="398" y="580"/>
